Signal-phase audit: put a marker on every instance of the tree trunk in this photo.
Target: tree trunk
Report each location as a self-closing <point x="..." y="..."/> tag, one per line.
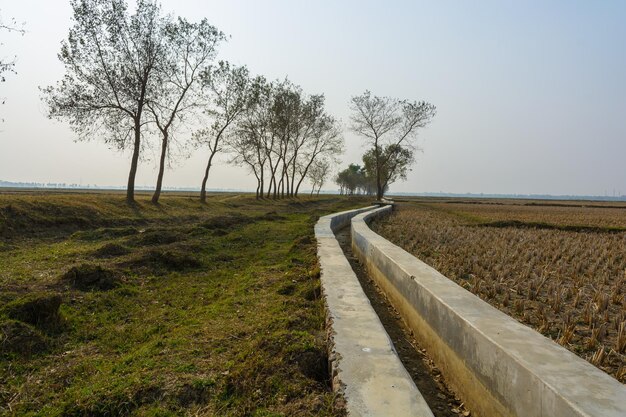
<point x="130" y="189"/>
<point x="293" y="176"/>
<point x="159" y="184"/>
<point x="379" y="188"/>
<point x="268" y="194"/>
<point x="205" y="179"/>
<point x="262" y="176"/>
<point x="274" y="187"/>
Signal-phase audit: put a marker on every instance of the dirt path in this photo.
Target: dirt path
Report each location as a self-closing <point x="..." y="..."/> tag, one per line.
<point x="424" y="373"/>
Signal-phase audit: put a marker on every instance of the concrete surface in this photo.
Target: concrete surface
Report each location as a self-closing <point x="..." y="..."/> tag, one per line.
<point x="365" y="367"/>
<point x="499" y="366"/>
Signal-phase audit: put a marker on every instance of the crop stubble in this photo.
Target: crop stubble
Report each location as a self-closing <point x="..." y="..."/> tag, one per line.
<point x="559" y="268"/>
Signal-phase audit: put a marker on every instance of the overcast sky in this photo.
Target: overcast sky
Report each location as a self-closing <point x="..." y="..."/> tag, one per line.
<point x="531" y="95"/>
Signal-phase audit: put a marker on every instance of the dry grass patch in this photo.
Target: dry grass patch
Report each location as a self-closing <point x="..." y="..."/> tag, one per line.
<point x="197" y="322"/>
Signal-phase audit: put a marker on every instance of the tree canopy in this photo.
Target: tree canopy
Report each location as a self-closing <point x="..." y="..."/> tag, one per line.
<point x="388" y="125"/>
<point x="110" y="58"/>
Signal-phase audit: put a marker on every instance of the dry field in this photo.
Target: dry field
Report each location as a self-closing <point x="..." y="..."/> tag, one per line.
<point x="557" y="267"/>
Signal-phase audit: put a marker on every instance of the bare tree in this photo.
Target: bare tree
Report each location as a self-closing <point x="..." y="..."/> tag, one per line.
<point x="304" y="132"/>
<point x="110" y="58"/>
<point x="230" y="92"/>
<point x="318" y="175"/>
<point x="385" y="121"/>
<point x="247" y="151"/>
<point x="292" y="131"/>
<point x="189" y="49"/>
<point x="257" y="127"/>
<point x="8" y="65"/>
<point x="323" y="141"/>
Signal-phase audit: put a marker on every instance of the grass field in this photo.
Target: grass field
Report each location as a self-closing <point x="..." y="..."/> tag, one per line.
<point x="559" y="267"/>
<point x="177" y="309"/>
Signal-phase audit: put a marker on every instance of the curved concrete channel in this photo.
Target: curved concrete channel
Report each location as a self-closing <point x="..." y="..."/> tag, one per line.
<point x="418" y="363"/>
<point x="364" y="366"/>
<point x="499" y="366"/>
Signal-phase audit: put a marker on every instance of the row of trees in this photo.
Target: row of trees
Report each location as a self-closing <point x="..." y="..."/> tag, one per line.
<point x="129" y="76"/>
<point x="284" y="138"/>
<point x="132" y="75"/>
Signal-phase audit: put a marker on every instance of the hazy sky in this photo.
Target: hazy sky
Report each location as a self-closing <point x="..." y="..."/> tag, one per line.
<point x="531" y="95"/>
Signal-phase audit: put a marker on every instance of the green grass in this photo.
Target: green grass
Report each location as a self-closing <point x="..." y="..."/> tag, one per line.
<point x="214" y="310"/>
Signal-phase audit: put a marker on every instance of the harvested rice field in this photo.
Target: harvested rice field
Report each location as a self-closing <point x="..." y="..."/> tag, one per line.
<point x="558" y="267"/>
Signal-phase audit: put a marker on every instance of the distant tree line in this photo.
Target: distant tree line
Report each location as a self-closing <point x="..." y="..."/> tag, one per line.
<point x="357" y="179"/>
<point x="134" y="75"/>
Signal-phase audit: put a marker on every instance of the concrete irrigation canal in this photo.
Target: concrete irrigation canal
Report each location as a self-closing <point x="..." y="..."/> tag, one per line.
<point x="390" y="315"/>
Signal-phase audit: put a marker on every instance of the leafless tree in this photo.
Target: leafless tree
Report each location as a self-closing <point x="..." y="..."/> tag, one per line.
<point x="291" y="131"/>
<point x="303" y="133"/>
<point x="257" y="128"/>
<point x="7" y="65"/>
<point x="324" y="141"/>
<point x="110" y="58"/>
<point x="385" y="122"/>
<point x="318" y="175"/>
<point x="248" y="152"/>
<point x="189" y="49"/>
<point x="229" y="90"/>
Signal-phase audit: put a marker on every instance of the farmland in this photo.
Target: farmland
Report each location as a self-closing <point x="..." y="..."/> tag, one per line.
<point x="559" y="267"/>
<point x="179" y="308"/>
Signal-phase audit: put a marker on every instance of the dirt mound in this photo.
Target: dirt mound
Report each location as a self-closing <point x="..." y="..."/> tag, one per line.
<point x="303" y="243"/>
<point x="156" y="237"/>
<point x="226" y="222"/>
<point x="21" y="338"/>
<point x="171" y="259"/>
<point x="105" y="233"/>
<point x="86" y="277"/>
<point x="271" y="216"/>
<point x="35" y="218"/>
<point x="111" y="250"/>
<point x="41" y="310"/>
